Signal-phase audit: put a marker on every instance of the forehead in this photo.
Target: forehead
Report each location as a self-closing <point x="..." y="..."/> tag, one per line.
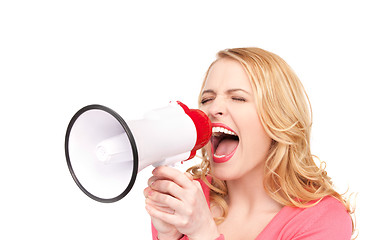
<point x="227" y="74"/>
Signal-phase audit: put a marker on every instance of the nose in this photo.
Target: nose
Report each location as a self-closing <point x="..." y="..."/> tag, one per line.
<point x="216" y="109"/>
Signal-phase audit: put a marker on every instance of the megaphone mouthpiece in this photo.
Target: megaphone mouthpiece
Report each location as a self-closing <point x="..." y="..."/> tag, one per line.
<point x="202" y="124"/>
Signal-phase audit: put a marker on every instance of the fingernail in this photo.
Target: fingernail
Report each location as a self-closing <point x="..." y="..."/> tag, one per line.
<point x="150" y="193"/>
<point x="151" y="182"/>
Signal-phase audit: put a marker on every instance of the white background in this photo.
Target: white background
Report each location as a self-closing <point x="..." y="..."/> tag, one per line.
<point x="58" y="56"/>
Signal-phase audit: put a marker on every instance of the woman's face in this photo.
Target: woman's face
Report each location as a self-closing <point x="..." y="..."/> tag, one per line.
<point x="239" y="144"/>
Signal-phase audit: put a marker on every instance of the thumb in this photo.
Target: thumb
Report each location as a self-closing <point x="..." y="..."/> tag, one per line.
<point x="189" y="176"/>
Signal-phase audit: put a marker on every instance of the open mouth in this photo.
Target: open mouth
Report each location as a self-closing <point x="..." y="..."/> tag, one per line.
<point x="224" y="142"/>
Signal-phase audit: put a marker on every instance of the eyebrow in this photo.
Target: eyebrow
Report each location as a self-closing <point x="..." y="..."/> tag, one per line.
<point x="229" y="91"/>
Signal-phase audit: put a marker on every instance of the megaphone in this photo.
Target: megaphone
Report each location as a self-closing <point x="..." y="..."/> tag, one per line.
<point x="104" y="153"/>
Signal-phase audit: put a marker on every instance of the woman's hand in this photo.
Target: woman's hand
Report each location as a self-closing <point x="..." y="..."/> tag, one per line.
<point x="165" y="230"/>
<point x="177" y="205"/>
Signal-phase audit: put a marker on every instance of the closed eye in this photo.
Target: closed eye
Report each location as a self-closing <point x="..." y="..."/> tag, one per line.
<point x="206" y="100"/>
<point x="239" y="99"/>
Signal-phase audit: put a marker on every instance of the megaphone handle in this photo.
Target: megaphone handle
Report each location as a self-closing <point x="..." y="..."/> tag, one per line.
<point x="173" y="159"/>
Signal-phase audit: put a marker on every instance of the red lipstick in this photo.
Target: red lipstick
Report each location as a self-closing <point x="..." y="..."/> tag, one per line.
<point x="224" y="142"/>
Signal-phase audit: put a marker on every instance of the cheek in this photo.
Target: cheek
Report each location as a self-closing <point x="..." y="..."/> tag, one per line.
<point x="255" y="139"/>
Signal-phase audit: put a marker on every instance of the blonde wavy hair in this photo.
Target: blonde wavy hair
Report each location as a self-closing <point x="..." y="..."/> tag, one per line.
<point x="291" y="177"/>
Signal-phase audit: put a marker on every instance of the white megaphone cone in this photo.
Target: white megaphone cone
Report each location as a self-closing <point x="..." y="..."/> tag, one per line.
<point x="104" y="153"/>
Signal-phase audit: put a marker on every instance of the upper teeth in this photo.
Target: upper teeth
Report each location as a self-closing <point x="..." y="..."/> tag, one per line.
<point x="222" y="130"/>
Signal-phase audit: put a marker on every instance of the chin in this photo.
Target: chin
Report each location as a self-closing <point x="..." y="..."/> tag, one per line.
<point x="225" y="171"/>
<point x="237" y="168"/>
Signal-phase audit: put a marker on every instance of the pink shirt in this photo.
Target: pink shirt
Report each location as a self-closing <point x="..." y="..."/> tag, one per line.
<point x="326" y="220"/>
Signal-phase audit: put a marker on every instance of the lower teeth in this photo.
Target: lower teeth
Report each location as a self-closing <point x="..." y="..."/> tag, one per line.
<point x="217" y="156"/>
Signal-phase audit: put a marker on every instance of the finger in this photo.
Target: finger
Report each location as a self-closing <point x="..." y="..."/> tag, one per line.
<point x="165" y="200"/>
<point x="155" y="178"/>
<point x="159" y="207"/>
<point x="147" y="191"/>
<point x="169" y="218"/>
<point x="168" y="187"/>
<point x="164" y="187"/>
<point x="175" y="175"/>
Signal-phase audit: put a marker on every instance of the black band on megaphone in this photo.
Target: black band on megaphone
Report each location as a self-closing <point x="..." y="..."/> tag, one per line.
<point x="133" y="147"/>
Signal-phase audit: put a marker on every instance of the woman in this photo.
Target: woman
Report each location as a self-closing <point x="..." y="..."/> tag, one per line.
<point x="258" y="178"/>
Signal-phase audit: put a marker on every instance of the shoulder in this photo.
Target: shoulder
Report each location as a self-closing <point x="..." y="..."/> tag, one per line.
<point x="328" y="219"/>
<point x="330" y="210"/>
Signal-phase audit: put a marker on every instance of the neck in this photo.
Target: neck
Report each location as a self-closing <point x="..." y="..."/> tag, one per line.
<point x="248" y="194"/>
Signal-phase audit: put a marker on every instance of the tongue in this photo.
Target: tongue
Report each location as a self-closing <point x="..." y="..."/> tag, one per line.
<point x="226" y="146"/>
